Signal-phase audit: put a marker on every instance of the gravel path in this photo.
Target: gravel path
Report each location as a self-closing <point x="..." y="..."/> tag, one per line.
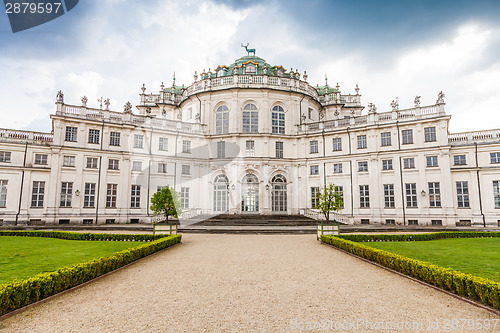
<point x="249" y="283"/>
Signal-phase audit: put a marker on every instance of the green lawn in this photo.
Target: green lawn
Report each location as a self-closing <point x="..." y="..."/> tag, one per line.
<point x="23" y="257"/>
<point x="477" y="256"/>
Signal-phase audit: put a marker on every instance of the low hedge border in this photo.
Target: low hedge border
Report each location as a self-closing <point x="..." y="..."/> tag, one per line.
<point x="82" y="235"/>
<point x="419" y="237"/>
<point x="18" y="294"/>
<point x="466" y="285"/>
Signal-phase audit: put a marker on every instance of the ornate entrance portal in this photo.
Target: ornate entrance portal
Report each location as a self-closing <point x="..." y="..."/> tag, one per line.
<point x="250" y="194"/>
<point x="278" y="194"/>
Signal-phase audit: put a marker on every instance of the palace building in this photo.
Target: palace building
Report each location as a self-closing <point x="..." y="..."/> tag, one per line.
<point x="250" y="137"/>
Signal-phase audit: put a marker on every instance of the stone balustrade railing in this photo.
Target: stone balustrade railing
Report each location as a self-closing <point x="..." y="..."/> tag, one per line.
<point x="374" y="118"/>
<point x="467" y="138"/>
<point x="127" y="118"/>
<point x="17" y="135"/>
<point x="334" y="216"/>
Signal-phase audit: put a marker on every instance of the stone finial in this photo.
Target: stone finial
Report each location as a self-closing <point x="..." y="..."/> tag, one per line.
<point x="127" y="108"/>
<point x="195" y="76"/>
<point x="143" y="88"/>
<point x="337" y="86"/>
<point x="107" y="103"/>
<point x="60" y="97"/>
<point x="394" y="105"/>
<point x="440" y="99"/>
<point x="305" y="76"/>
<point x="357" y="89"/>
<point x="162" y="86"/>
<point x="372" y="108"/>
<point x="84" y="101"/>
<point x="417" y="101"/>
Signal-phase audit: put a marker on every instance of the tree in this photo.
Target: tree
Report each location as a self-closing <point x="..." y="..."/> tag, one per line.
<point x="329" y="199"/>
<point x="166" y="202"/>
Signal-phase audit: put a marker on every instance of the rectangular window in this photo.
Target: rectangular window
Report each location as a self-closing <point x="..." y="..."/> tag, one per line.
<point x="430" y="134"/>
<point x="390" y="221"/>
<point x="459" y="160"/>
<point x="434" y="195"/>
<point x="138" y="141"/>
<point x="94" y="136"/>
<point x="386" y="164"/>
<point x="364" y="196"/>
<point x="407" y="136"/>
<point x="162" y="167"/>
<point x="114" y="138"/>
<point x="314" y="169"/>
<point x="71" y="133"/>
<point x="185" y="197"/>
<point x="69" y="161"/>
<point x="186" y="146"/>
<point x="163" y="144"/>
<point x="431" y="161"/>
<point x="495" y="157"/>
<point x="4" y="156"/>
<point x="111" y="194"/>
<point x="41" y="159"/>
<point x="113" y="164"/>
<point x="313" y="147"/>
<point x="385" y="139"/>
<point x="135" y="196"/>
<point x="463" y="194"/>
<point x="38" y="194"/>
<point x="92" y="162"/>
<point x="66" y="194"/>
<point x="436" y="222"/>
<point x="221" y="149"/>
<point x="337" y="168"/>
<point x="389" y="196"/>
<point x="337" y="144"/>
<point x="412" y="222"/>
<point x="409" y="163"/>
<point x="362" y="141"/>
<point x="3" y="193"/>
<point x="250" y="148"/>
<point x="340" y="190"/>
<point x="363" y="166"/>
<point x="279" y="149"/>
<point x="186" y="170"/>
<point x="89" y="195"/>
<point x="496" y="193"/>
<point x="136" y="166"/>
<point x="314" y="197"/>
<point x="411" y="195"/>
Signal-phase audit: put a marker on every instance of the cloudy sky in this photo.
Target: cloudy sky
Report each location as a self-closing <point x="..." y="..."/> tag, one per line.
<point x="404" y="48"/>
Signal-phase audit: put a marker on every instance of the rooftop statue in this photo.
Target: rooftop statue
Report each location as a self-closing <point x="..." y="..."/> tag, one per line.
<point x="248" y="50"/>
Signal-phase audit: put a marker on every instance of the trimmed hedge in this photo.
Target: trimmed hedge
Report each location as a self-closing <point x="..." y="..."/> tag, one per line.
<point x="419" y="237"/>
<point x="17" y="294"/>
<point x="82" y="235"/>
<point x="467" y="285"/>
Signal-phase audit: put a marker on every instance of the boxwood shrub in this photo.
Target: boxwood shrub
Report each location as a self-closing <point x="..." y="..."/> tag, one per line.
<point x="418" y="237"/>
<point x="82" y="235"/>
<point x="18" y="294"/>
<point x="467" y="285"/>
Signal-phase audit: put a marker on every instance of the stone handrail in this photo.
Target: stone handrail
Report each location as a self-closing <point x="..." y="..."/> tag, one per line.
<point x="30" y="136"/>
<point x="466" y="138"/>
<point x="334" y="216"/>
<point x="374" y="118"/>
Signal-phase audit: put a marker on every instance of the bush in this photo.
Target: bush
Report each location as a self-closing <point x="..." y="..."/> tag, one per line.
<point x="17" y="294"/>
<point x="419" y="237"/>
<point x="467" y="285"/>
<point x="83" y="236"/>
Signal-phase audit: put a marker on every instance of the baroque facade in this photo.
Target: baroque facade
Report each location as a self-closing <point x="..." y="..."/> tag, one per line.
<point x="250" y="138"/>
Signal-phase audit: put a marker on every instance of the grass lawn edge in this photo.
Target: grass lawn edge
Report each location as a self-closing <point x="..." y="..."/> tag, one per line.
<point x="470" y="286"/>
<point x="20" y="293"/>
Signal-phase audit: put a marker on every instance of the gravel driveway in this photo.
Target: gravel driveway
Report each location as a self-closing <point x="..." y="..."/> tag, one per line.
<point x="251" y="283"/>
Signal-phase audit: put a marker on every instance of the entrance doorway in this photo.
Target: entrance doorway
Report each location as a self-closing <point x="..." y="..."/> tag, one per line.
<point x="250" y="194"/>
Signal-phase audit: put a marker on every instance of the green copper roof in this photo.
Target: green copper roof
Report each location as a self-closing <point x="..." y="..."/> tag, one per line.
<point x="260" y="65"/>
<point x="322" y="90"/>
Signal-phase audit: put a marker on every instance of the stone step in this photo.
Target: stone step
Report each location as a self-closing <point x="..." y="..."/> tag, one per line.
<point x="257" y="220"/>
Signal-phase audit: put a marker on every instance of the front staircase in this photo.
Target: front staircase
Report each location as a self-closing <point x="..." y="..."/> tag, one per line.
<point x="250" y="223"/>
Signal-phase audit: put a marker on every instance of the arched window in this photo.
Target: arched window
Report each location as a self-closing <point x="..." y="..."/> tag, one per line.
<point x="278" y="120"/>
<point x="279" y="72"/>
<point x="222" y="120"/>
<point x="221" y="196"/>
<point x="250" y="118"/>
<point x="250" y="194"/>
<point x="278" y="194"/>
<point x="249" y="69"/>
<point x="220" y="72"/>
